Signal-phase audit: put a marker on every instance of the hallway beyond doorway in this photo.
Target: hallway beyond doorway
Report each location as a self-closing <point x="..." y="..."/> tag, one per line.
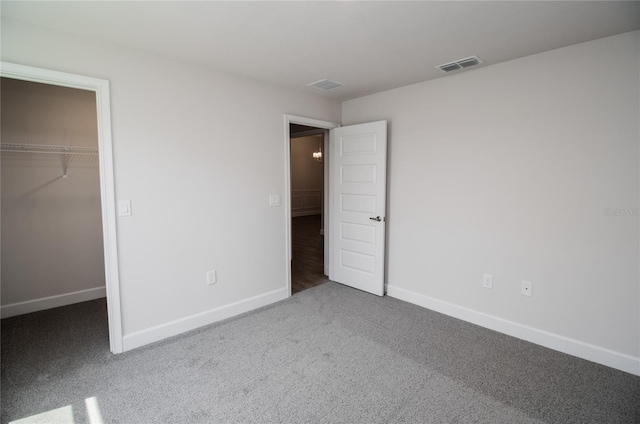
<point x="307" y="266"/>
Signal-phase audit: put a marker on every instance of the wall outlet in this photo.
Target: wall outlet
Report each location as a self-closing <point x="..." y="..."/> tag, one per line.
<point x="487" y="281"/>
<point x="525" y="288"/>
<point x="211" y="277"/>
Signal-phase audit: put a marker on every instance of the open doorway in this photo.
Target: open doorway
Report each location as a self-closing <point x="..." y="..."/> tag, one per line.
<point x="307" y="199"/>
<point x="355" y="209"/>
<point x="312" y="235"/>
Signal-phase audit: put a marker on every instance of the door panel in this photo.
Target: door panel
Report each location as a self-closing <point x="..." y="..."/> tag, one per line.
<point x="358" y="194"/>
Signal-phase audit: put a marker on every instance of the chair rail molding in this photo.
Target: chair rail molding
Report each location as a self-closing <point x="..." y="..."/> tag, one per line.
<point x="306" y="202"/>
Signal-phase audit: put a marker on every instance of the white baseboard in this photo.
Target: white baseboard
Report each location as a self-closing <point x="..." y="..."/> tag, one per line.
<point x="173" y="328"/>
<point x="41" y="304"/>
<point x="553" y="341"/>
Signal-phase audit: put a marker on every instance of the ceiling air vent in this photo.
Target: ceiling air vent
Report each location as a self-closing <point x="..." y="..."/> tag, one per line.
<point x="449" y="67"/>
<point x="459" y="64"/>
<point x="325" y="84"/>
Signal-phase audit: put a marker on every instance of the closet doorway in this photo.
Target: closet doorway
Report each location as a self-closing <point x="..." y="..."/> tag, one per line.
<point x="51" y="213"/>
<point x="58" y="210"/>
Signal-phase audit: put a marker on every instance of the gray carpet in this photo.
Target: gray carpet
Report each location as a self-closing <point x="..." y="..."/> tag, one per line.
<point x="329" y="354"/>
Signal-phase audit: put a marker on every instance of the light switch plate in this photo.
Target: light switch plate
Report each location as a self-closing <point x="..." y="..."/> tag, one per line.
<point x="274" y="200"/>
<point x="124" y="208"/>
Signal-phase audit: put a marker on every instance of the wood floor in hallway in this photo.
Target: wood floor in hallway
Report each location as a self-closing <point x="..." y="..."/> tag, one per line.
<point x="307" y="265"/>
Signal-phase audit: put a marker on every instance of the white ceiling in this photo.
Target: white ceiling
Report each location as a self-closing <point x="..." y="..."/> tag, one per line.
<point x="367" y="46"/>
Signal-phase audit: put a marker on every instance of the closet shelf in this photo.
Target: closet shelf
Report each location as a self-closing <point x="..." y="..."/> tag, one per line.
<point x="63" y="151"/>
<point x="48" y="149"/>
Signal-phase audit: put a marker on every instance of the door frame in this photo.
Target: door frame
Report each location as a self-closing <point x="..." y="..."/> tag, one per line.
<point x="107" y="187"/>
<point x="325" y="125"/>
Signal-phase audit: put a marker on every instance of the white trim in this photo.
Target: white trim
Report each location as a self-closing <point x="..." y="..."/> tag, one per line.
<point x="107" y="190"/>
<point x="553" y="341"/>
<point x="292" y="119"/>
<point x="182" y="325"/>
<point x="326" y="202"/>
<point x="41" y="304"/>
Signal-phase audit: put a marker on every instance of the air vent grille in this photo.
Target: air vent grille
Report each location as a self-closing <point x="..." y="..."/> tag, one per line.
<point x="325" y="84"/>
<point x="449" y="67"/>
<point x="468" y="62"/>
<point x="459" y="64"/>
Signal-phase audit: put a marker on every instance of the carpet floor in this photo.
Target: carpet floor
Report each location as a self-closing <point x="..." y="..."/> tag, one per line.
<point x="329" y="354"/>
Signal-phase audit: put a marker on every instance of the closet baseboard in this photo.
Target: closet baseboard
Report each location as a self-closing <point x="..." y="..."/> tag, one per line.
<point x="41" y="304"/>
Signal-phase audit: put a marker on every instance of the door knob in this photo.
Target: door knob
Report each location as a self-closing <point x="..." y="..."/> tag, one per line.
<point x="377" y="218"/>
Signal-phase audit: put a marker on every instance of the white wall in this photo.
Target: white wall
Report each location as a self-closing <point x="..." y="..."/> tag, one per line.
<point x="198" y="153"/>
<point x="51" y="226"/>
<point x="509" y="170"/>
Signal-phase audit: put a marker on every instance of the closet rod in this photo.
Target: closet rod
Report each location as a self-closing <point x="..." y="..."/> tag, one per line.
<point x="48" y="149"/>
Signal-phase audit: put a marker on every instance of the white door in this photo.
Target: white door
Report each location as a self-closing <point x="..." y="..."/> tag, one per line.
<point x="358" y="203"/>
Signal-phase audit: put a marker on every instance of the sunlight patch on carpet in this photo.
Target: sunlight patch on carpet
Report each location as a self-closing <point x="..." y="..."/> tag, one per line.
<point x="62" y="415"/>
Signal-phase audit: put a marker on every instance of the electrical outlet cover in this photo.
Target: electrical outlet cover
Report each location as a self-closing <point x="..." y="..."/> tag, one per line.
<point x="487" y="281"/>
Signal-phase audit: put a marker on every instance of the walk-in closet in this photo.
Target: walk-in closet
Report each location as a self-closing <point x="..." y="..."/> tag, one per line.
<point x="51" y="222"/>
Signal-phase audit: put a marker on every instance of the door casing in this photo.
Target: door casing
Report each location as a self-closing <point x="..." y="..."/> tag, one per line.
<point x="326" y="125"/>
<point x="107" y="188"/>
